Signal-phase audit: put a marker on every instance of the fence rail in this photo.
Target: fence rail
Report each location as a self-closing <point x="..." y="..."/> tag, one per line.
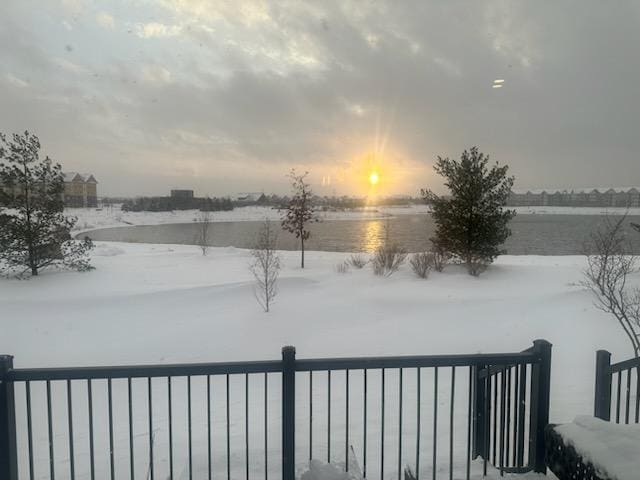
<point x="618" y="403"/>
<point x="434" y="414"/>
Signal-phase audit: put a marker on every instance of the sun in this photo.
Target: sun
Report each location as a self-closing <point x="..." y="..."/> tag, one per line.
<point x="374" y="178"/>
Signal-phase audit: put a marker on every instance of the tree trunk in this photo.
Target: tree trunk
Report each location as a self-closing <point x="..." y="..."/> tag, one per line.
<point x="302" y="249"/>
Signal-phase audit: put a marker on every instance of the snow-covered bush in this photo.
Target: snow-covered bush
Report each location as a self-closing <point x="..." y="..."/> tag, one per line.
<point x="440" y="258"/>
<point x="388" y="259"/>
<point x="343" y="267"/>
<point x="422" y="263"/>
<point x="357" y="260"/>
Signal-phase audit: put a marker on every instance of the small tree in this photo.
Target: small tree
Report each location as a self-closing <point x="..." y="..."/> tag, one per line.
<point x="203" y="233"/>
<point x="34" y="232"/>
<point x="265" y="266"/>
<point x="299" y="210"/>
<point x="609" y="267"/>
<point x="471" y="223"/>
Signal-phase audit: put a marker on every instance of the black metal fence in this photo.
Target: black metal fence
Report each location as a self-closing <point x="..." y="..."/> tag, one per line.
<point x="618" y="403"/>
<point x="440" y="416"/>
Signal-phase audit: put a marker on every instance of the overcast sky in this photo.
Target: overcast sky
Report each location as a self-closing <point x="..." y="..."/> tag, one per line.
<point x="227" y="96"/>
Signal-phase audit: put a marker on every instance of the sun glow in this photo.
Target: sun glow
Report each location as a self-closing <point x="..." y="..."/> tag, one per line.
<point x="374" y="178"/>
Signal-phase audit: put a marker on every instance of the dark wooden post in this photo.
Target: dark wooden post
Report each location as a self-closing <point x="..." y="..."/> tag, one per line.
<point x="288" y="412"/>
<point x="602" y="404"/>
<point x="8" y="450"/>
<point x="540" y="393"/>
<point x="479" y="408"/>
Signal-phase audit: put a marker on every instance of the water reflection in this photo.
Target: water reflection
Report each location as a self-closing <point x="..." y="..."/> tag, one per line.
<point x="372" y="235"/>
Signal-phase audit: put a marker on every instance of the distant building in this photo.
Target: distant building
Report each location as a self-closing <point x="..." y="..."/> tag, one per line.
<point x="184" y="194"/>
<point x="80" y="190"/>
<point x="594" y="197"/>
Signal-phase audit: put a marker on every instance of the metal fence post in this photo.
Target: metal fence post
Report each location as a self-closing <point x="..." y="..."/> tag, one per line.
<point x="540" y="393"/>
<point x="479" y="409"/>
<point x="288" y="412"/>
<point x="8" y="450"/>
<point x="602" y="404"/>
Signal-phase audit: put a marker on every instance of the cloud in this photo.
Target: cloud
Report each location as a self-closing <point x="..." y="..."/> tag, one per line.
<point x="105" y="20"/>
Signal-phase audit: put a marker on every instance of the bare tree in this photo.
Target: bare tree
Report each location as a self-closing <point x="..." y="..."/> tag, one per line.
<point x="266" y="266"/>
<point x="300" y="210"/>
<point x="203" y="232"/>
<point x="610" y="264"/>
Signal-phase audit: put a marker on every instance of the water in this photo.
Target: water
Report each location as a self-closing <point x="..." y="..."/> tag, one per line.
<point x="531" y="234"/>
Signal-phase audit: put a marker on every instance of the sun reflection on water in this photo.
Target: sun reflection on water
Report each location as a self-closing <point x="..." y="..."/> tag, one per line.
<point x="372" y="235"/>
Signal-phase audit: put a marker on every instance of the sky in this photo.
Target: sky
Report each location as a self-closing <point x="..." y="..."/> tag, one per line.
<point x="227" y="96"/>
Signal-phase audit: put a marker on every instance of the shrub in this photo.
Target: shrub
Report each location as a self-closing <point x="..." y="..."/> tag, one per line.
<point x="343" y="267"/>
<point x="357" y="260"/>
<point x="422" y="263"/>
<point x="388" y="258"/>
<point x="440" y="258"/>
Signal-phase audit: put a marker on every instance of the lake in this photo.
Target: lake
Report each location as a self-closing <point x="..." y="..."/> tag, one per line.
<point x="531" y="234"/>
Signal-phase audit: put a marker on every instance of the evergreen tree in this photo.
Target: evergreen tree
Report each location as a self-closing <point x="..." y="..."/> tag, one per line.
<point x="34" y="232"/>
<point x="471" y="223"/>
<point x="299" y="210"/>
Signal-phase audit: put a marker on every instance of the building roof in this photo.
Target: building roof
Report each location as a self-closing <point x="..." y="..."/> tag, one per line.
<point x="79" y="177"/>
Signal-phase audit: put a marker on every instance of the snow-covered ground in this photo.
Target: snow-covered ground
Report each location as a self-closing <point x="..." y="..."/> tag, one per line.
<point x="90" y="218"/>
<point x="169" y="304"/>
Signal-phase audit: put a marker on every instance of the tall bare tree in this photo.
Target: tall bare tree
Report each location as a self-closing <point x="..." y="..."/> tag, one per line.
<point x="266" y="266"/>
<point x="610" y="265"/>
<point x="203" y="232"/>
<point x="300" y="210"/>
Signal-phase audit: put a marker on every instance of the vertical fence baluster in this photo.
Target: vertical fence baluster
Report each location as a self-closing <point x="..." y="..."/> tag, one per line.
<point x="451" y="412"/>
<point x="29" y="430"/>
<point x="190" y="435"/>
<point x="486" y="429"/>
<point x="522" y="389"/>
<point x="602" y="403"/>
<point x="435" y="420"/>
<point x="364" y="425"/>
<point x="91" y="446"/>
<point x="516" y="406"/>
<point x="382" y="427"/>
<point x="618" y="397"/>
<point x="507" y="429"/>
<point x="310" y="415"/>
<point x="130" y="418"/>
<point x="626" y="410"/>
<point x="110" y="413"/>
<point x="637" y="394"/>
<point x="346" y="430"/>
<point x="495" y="421"/>
<point x="400" y="425"/>
<point x="418" y="388"/>
<point x="72" y="470"/>
<point x="246" y="422"/>
<point x="170" y="425"/>
<point x="266" y="424"/>
<point x="52" y="472"/>
<point x="469" y="420"/>
<point x="328" y="416"/>
<point x="150" y="411"/>
<point x="209" y="462"/>
<point x="228" y="431"/>
<point x="503" y="383"/>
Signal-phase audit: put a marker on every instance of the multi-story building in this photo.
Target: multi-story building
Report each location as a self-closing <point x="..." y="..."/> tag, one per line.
<point x="609" y="197"/>
<point x="80" y="190"/>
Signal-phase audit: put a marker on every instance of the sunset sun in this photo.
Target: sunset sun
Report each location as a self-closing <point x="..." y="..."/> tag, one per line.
<point x="374" y="178"/>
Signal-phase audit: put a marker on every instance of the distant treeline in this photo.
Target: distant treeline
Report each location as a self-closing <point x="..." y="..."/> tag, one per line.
<point x="167" y="204"/>
<point x="214" y="204"/>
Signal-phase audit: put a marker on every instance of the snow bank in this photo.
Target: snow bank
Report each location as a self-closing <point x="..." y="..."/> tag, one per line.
<point x="613" y="449"/>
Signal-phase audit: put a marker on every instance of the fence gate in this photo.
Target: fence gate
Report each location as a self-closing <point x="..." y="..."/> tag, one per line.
<point x="605" y="399"/>
<point x="440" y="416"/>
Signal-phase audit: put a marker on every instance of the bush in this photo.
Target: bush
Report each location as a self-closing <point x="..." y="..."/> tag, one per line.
<point x="357" y="260"/>
<point x="440" y="258"/>
<point x="343" y="267"/>
<point x="388" y="258"/>
<point x="422" y="263"/>
<point x="477" y="265"/>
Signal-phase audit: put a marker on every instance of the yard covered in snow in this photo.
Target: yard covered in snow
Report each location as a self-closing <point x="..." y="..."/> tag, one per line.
<point x="169" y="304"/>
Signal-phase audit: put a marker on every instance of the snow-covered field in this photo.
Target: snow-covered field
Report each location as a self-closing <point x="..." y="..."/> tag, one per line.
<point x="169" y="304"/>
<point x="90" y="218"/>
